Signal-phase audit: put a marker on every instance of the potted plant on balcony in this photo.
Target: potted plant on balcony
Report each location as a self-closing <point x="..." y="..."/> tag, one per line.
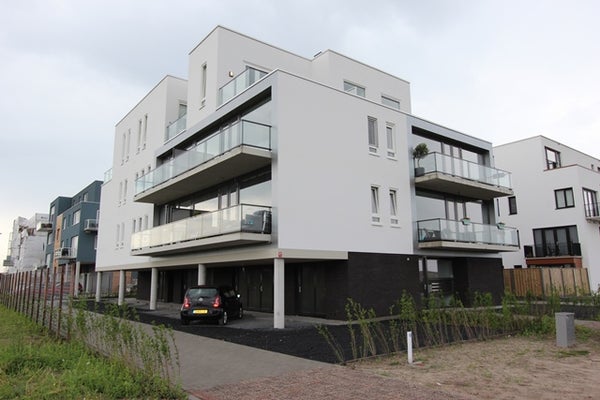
<point x="420" y="151"/>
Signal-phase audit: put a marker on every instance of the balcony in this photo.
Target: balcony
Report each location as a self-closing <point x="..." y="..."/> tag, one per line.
<point x="243" y="147"/>
<point x="176" y="128"/>
<point x="240" y="83"/>
<point x="235" y="226"/>
<point x="443" y="234"/>
<point x="108" y="175"/>
<point x="592" y="213"/>
<point x="556" y="254"/>
<point x="63" y="253"/>
<point x="443" y="173"/>
<point x="90" y="225"/>
<point x="44" y="227"/>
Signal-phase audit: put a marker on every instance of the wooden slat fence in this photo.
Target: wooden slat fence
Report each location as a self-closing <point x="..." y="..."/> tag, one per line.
<point x="540" y="282"/>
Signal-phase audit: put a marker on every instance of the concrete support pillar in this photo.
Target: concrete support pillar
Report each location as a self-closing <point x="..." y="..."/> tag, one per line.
<point x="98" y="285"/>
<point x="279" y="293"/>
<point x="121" y="287"/>
<point x="76" y="279"/>
<point x="201" y="274"/>
<point x="153" y="288"/>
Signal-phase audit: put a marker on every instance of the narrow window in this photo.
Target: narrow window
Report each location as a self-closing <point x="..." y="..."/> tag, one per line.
<point x="74" y="245"/>
<point x="139" y="136"/>
<point x="590" y="203"/>
<point x="393" y="207"/>
<point x="512" y="205"/>
<point x="122" y="233"/>
<point x="354" y="89"/>
<point x="125" y="191"/>
<point x="387" y="101"/>
<point x="375" y="204"/>
<point x="128" y="144"/>
<point x="552" y="158"/>
<point x="145" y="222"/>
<point x="76" y="217"/>
<point x="133" y="225"/>
<point x="391" y="140"/>
<point x="123" y="148"/>
<point x="564" y="198"/>
<point x="118" y="235"/>
<point x="145" y="134"/>
<point x="373" y="139"/>
<point x="203" y="89"/>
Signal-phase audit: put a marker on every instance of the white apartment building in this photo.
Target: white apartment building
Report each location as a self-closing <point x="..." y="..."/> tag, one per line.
<point x="293" y="180"/>
<point x="26" y="246"/>
<point x="555" y="205"/>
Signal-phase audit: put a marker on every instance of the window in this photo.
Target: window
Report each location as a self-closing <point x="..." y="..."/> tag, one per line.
<point x="145" y="133"/>
<point x="564" y="198"/>
<point x="133" y="226"/>
<point x="76" y="217"/>
<point x="354" y="89"/>
<point x="373" y="139"/>
<point x="393" y="207"/>
<point x="145" y="222"/>
<point x="556" y="241"/>
<point x="512" y="205"/>
<point x="124" y="191"/>
<point x="128" y="145"/>
<point x="590" y="203"/>
<point x="123" y="148"/>
<point x="391" y="140"/>
<point x="85" y="196"/>
<point x="552" y="158"/>
<point x="375" y="204"/>
<point x="139" y="136"/>
<point x="390" y="102"/>
<point x="117" y="237"/>
<point x="74" y="245"/>
<point x="203" y="89"/>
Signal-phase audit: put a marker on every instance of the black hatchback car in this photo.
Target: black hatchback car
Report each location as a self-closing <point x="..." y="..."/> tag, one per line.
<point x="215" y="303"/>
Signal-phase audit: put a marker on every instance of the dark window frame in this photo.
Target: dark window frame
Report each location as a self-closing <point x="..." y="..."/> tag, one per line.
<point x="552" y="164"/>
<point x="512" y="205"/>
<point x="563" y="192"/>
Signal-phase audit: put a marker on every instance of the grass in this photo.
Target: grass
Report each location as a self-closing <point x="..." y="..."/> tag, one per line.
<point x="34" y="365"/>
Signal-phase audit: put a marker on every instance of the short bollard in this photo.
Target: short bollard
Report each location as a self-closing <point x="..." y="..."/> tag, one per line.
<point x="565" y="329"/>
<point x="409" y="347"/>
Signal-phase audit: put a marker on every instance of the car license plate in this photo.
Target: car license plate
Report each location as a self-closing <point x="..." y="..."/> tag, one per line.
<point x="200" y="312"/>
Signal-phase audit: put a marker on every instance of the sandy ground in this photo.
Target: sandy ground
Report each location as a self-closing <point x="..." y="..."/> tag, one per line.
<point x="503" y="368"/>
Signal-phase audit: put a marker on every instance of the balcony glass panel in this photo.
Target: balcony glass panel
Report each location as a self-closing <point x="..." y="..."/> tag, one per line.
<point x="241" y="218"/>
<point x="175" y="128"/>
<point x="239" y="84"/>
<point x="557" y="249"/>
<point x="241" y="133"/>
<point x="437" y="162"/>
<point x="467" y="232"/>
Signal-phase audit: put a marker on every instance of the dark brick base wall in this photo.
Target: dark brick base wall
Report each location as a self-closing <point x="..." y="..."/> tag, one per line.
<point x="483" y="275"/>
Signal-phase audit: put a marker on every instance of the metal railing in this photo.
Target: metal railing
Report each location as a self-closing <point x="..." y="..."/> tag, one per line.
<point x="558" y="249"/>
<point x="437" y="162"/>
<point x="90" y="225"/>
<point x="240" y="83"/>
<point x="240" y="218"/>
<point x="241" y="133"/>
<point x="65" y="252"/>
<point x="464" y="231"/>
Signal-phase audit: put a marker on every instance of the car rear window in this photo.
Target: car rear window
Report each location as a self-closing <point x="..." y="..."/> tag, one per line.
<point x="202" y="292"/>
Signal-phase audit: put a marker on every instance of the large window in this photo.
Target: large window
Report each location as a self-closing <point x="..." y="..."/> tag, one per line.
<point x="552" y="158"/>
<point x="354" y="89"/>
<point x="373" y="139"/>
<point x="557" y="241"/>
<point x="512" y="205"/>
<point x="564" y="198"/>
<point x="590" y="203"/>
<point x="74" y="245"/>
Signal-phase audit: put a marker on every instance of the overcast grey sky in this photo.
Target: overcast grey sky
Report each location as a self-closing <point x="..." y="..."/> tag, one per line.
<point x="70" y="69"/>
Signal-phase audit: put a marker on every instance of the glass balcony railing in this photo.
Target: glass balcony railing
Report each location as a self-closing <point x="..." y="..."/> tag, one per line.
<point x="176" y="128"/>
<point x="464" y="231"/>
<point x="437" y="162"/>
<point x="240" y="218"/>
<point x="90" y="225"/>
<point x="241" y="133"/>
<point x="108" y="175"/>
<point x="240" y="83"/>
<point x="558" y="249"/>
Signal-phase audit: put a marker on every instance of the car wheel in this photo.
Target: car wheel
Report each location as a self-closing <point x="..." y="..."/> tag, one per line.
<point x="223" y="319"/>
<point x="241" y="312"/>
<point x="185" y="321"/>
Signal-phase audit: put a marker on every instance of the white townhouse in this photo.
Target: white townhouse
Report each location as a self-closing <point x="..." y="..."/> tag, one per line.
<point x="26" y="245"/>
<point x="555" y="205"/>
<point x="292" y="179"/>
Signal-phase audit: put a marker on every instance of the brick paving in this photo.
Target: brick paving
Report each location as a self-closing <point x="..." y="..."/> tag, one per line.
<point x="332" y="383"/>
